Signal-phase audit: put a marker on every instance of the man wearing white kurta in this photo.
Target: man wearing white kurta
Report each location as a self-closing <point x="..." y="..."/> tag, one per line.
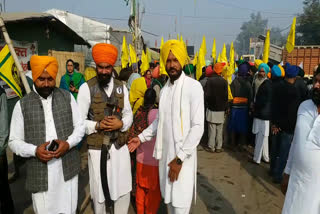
<point x="303" y="166"/>
<point x="179" y="127"/>
<point x="104" y="89"/>
<point x="48" y="113"/>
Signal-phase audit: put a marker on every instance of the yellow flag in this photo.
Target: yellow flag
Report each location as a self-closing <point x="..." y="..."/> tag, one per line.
<point x="162" y="65"/>
<point x="231" y="60"/>
<point x="195" y="59"/>
<point x="224" y="54"/>
<point x="124" y="53"/>
<point x="178" y="37"/>
<point x="181" y="38"/>
<point x="291" y="37"/>
<point x="219" y="58"/>
<point x="266" y="49"/>
<point x="144" y="63"/>
<point x="203" y="46"/>
<point x="214" y="52"/>
<point x="149" y="55"/>
<point x="200" y="64"/>
<point x="133" y="55"/>
<point x="8" y="71"/>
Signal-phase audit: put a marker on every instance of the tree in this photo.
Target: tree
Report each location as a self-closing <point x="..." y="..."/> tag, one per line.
<point x="253" y="28"/>
<point x="308" y="24"/>
<point x="276" y="37"/>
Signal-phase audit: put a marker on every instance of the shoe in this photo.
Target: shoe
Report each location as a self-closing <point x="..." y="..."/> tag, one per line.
<point x="208" y="149"/>
<point x="219" y="150"/>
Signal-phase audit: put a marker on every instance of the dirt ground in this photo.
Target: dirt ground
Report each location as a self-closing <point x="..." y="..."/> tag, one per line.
<point x="226" y="184"/>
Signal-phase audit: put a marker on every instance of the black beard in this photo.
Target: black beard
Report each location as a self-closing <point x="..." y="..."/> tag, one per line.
<point x="104" y="79"/>
<point x="174" y="77"/>
<point x="44" y="91"/>
<point x="315" y="96"/>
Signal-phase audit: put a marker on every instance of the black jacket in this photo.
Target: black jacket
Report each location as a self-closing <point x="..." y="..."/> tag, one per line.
<point x="216" y="93"/>
<point x="262" y="105"/>
<point x="241" y="87"/>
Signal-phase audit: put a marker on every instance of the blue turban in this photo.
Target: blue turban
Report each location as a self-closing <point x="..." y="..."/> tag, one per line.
<point x="292" y="71"/>
<point x="265" y="67"/>
<point x="276" y="71"/>
<point x="243" y="69"/>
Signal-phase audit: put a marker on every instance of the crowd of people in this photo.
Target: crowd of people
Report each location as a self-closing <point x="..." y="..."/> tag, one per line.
<point x="141" y="129"/>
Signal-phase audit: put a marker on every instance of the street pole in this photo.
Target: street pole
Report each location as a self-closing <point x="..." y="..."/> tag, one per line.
<point x="14" y="55"/>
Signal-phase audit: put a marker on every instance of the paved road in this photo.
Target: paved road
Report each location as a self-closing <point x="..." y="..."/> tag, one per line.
<point x="227" y="184"/>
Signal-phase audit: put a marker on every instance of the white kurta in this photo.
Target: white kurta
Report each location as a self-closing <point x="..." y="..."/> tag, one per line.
<point x="303" y="166"/>
<point x="62" y="196"/>
<point x="118" y="166"/>
<point x="180" y="192"/>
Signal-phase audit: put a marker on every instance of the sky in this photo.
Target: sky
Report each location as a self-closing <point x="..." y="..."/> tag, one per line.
<point x="219" y="19"/>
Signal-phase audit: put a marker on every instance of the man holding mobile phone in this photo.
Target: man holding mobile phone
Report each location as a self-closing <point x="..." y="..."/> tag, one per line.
<point x="48" y="114"/>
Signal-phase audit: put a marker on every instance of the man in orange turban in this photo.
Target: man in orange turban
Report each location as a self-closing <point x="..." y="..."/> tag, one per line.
<point x="46" y="128"/>
<point x="105" y="107"/>
<point x="44" y="73"/>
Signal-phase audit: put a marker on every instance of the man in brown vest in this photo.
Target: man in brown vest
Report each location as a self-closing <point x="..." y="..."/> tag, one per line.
<point x="104" y="105"/>
<point x="45" y="128"/>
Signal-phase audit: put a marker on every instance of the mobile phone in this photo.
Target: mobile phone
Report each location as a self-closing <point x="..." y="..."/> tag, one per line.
<point x="53" y="146"/>
<point x="71" y="83"/>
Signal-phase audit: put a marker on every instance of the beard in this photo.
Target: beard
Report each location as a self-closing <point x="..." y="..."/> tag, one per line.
<point x="44" y="91"/>
<point x="315" y="96"/>
<point x="174" y="74"/>
<point x="104" y="79"/>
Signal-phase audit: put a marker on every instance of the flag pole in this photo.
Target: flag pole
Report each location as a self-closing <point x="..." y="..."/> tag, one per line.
<point x="14" y="55"/>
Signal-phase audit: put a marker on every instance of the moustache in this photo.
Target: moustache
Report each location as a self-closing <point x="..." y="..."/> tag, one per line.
<point x="315" y="96"/>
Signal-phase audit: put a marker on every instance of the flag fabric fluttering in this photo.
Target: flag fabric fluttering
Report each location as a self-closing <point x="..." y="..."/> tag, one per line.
<point x="291" y="37"/>
<point x="201" y="62"/>
<point x="219" y="58"/>
<point x="124" y="53"/>
<point x="266" y="49"/>
<point x="144" y="63"/>
<point x="214" y="51"/>
<point x="162" y="65"/>
<point x="195" y="59"/>
<point x="133" y="55"/>
<point x="8" y="71"/>
<point x="224" y="54"/>
<point x="203" y="46"/>
<point x="149" y="57"/>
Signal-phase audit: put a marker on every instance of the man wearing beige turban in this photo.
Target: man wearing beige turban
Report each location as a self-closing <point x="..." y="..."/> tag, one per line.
<point x="45" y="128"/>
<point x="105" y="107"/>
<point x="178" y="127"/>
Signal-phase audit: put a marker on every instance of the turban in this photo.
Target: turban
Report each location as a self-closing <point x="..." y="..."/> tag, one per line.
<point x="257" y="63"/>
<point x="178" y="49"/>
<point x="218" y="67"/>
<point x="265" y="67"/>
<point x="301" y="72"/>
<point x="283" y="73"/>
<point x="243" y="69"/>
<point x="40" y="63"/>
<point x="276" y="71"/>
<point x="209" y="71"/>
<point x="189" y="69"/>
<point x="107" y="53"/>
<point x="292" y="71"/>
<point x="156" y="72"/>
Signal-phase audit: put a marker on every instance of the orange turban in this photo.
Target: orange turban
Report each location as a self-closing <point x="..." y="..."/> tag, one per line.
<point x="218" y="67"/>
<point x="107" y="53"/>
<point x="40" y="63"/>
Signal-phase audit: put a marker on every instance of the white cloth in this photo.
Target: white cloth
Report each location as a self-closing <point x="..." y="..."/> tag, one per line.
<point x="303" y="166"/>
<point x="62" y="196"/>
<point x="261" y="129"/>
<point x="118" y="166"/>
<point x="191" y="108"/>
<point x="215" y="116"/>
<point x="177" y="210"/>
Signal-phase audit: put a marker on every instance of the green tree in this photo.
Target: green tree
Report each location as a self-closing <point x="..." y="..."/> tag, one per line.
<point x="250" y="29"/>
<point x="276" y="37"/>
<point x="308" y="24"/>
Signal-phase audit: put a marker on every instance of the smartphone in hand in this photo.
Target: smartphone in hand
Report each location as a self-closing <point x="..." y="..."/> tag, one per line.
<point x="53" y="146"/>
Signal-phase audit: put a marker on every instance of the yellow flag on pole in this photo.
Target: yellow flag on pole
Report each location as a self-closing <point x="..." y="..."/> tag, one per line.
<point x="133" y="55"/>
<point x="162" y="65"/>
<point x="124" y="53"/>
<point x="8" y="71"/>
<point x="195" y="59"/>
<point x="291" y="37"/>
<point x="266" y="49"/>
<point x="149" y="57"/>
<point x="219" y="58"/>
<point x="144" y="63"/>
<point x="224" y="54"/>
<point x="203" y="46"/>
<point x="200" y="64"/>
<point x="214" y="51"/>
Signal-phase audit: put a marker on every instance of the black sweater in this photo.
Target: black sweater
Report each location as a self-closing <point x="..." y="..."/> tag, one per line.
<point x="241" y="87"/>
<point x="262" y="105"/>
<point x="216" y="93"/>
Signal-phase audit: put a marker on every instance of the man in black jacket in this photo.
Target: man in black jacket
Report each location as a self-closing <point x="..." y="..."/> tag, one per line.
<point x="262" y="114"/>
<point x="216" y="98"/>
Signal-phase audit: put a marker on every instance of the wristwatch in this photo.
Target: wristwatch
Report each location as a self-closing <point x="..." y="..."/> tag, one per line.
<point x="178" y="161"/>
